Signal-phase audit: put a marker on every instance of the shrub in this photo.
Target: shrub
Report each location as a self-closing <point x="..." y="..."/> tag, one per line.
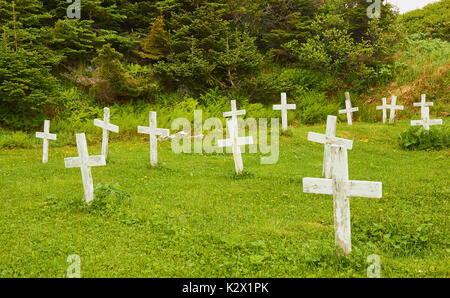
<point x="417" y="138"/>
<point x="109" y="199"/>
<point x="17" y="139"/>
<point x="28" y="91"/>
<point x="313" y="107"/>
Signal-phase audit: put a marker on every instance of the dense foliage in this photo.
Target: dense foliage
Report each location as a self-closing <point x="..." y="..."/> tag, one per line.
<point x="164" y="51"/>
<point x="433" y="20"/>
<point x="417" y="138"/>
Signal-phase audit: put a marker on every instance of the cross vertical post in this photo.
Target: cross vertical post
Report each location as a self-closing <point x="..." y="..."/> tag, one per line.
<point x="348" y="109"/>
<point x="329" y="139"/>
<point x="423" y="103"/>
<point x="153" y="131"/>
<point x="234" y="113"/>
<point x="107" y="127"/>
<point x="341" y="203"/>
<point x="235" y="142"/>
<point x="383" y="107"/>
<point x="46" y="135"/>
<point x="393" y="107"/>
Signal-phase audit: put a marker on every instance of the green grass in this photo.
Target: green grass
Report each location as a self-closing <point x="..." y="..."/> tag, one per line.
<point x="193" y="217"/>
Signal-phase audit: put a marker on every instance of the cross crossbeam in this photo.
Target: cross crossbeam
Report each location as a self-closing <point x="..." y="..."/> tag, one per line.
<point x="85" y="162"/>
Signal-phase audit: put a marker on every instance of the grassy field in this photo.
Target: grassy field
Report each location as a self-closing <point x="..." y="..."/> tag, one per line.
<point x="192" y="217"/>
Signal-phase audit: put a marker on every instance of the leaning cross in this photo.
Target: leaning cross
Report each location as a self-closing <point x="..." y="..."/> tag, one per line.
<point x="348" y="109"/>
<point x="153" y="131"/>
<point x="46" y="135"/>
<point x="328" y="140"/>
<point x="106" y="128"/>
<point x="426" y="122"/>
<point x="284" y="107"/>
<point x="235" y="142"/>
<point x="392" y="107"/>
<point x="342" y="188"/>
<point x="85" y="162"/>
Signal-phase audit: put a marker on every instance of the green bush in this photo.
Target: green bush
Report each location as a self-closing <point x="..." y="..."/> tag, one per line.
<point x="28" y="91"/>
<point x="417" y="138"/>
<point x="17" y="139"/>
<point x="109" y="199"/>
<point x="313" y="107"/>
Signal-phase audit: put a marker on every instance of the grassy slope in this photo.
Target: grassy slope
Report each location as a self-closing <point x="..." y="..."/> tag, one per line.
<point x="426" y="70"/>
<point x="192" y="218"/>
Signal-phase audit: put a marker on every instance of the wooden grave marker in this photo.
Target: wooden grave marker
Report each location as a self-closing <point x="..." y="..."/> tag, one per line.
<point x="46" y="135"/>
<point x="329" y="139"/>
<point x="342" y="189"/>
<point x="284" y="107"/>
<point x="107" y="127"/>
<point x="85" y="162"/>
<point x="153" y="131"/>
<point x="349" y="110"/>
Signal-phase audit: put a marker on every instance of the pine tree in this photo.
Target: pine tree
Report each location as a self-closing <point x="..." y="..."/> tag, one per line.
<point x="154" y="45"/>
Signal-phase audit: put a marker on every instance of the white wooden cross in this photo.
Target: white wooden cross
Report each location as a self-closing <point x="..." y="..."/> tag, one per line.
<point x="46" y="135"/>
<point x="284" y="107"/>
<point x="423" y="103"/>
<point x="384" y="106"/>
<point x="107" y="127"/>
<point x="392" y="107"/>
<point x="425" y="114"/>
<point x="234" y="113"/>
<point x="153" y="131"/>
<point x="235" y="142"/>
<point x="329" y="139"/>
<point x="426" y="122"/>
<point x="342" y="189"/>
<point x="85" y="162"/>
<point x="348" y="109"/>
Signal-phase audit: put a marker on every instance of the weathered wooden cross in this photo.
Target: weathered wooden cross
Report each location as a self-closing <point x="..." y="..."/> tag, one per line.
<point x="328" y="140"/>
<point x="107" y="127"/>
<point x="392" y="107"/>
<point x="426" y="122"/>
<point x="342" y="188"/>
<point x="153" y="131"/>
<point x="284" y="107"/>
<point x="85" y="162"/>
<point x="423" y="103"/>
<point x="234" y="113"/>
<point x="348" y="109"/>
<point x="235" y="142"/>
<point x="46" y="135"/>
